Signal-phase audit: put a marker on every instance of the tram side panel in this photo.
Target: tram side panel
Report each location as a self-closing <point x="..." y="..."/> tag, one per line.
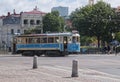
<point x="74" y="48"/>
<point x="21" y="48"/>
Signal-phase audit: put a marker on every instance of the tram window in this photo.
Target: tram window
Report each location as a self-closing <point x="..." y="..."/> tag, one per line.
<point x="23" y="40"/>
<point x="34" y="40"/>
<point x="61" y="39"/>
<point x="31" y="40"/>
<point x="43" y="40"/>
<point x="74" y="39"/>
<point x="57" y="40"/>
<point x="38" y="40"/>
<point x="19" y="40"/>
<point x="27" y="40"/>
<point x="69" y="39"/>
<point x="51" y="40"/>
<point x="78" y="39"/>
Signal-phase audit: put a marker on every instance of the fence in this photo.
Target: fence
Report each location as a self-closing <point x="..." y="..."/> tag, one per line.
<point x="91" y="51"/>
<point x="4" y="50"/>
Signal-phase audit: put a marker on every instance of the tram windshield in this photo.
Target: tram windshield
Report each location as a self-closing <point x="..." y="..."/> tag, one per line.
<point x="75" y="39"/>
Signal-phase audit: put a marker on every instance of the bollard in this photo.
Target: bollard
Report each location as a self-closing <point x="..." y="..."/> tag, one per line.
<point x="75" y="68"/>
<point x="35" y="62"/>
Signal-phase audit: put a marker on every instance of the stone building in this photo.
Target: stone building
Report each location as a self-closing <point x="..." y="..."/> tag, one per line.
<point x="32" y="19"/>
<point x="13" y="24"/>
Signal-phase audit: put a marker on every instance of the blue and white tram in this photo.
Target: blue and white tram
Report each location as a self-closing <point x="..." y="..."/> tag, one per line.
<point x="49" y="44"/>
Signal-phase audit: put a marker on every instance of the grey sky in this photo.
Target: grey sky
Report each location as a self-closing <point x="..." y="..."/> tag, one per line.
<point x="45" y="5"/>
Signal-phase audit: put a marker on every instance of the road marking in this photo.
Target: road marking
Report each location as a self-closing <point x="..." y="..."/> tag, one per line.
<point x="86" y="72"/>
<point x="51" y="75"/>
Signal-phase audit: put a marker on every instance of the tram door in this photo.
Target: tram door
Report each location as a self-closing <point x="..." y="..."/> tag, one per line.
<point x="14" y="48"/>
<point x="65" y="41"/>
<point x="14" y="45"/>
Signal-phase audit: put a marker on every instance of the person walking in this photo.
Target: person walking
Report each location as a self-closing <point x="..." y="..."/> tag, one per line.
<point x="105" y="49"/>
<point x="108" y="49"/>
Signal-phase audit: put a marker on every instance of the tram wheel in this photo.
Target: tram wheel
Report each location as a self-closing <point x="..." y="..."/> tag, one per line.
<point x="27" y="53"/>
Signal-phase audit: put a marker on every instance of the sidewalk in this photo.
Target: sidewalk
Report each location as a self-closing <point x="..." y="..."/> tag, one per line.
<point x="18" y="73"/>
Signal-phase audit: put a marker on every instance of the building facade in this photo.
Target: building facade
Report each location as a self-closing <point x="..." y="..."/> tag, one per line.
<point x="63" y="11"/>
<point x="32" y="19"/>
<point x="13" y="24"/>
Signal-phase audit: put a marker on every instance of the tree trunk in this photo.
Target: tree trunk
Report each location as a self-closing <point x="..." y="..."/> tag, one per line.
<point x="98" y="38"/>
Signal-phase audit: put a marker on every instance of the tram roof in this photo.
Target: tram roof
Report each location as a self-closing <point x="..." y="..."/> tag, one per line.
<point x="59" y="34"/>
<point x="50" y="34"/>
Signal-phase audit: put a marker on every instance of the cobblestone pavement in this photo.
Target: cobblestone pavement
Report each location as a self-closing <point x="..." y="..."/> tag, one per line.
<point x="45" y="73"/>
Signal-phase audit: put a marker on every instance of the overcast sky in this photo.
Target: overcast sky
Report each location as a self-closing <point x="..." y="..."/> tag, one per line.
<point x="45" y="5"/>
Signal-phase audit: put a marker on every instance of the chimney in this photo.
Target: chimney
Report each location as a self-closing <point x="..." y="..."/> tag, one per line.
<point x="35" y="8"/>
<point x="8" y="13"/>
<point x="21" y="12"/>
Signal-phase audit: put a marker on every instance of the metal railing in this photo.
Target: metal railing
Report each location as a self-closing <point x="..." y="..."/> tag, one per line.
<point x="4" y="50"/>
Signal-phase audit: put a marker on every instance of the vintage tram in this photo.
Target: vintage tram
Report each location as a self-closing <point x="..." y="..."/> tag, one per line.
<point x="49" y="44"/>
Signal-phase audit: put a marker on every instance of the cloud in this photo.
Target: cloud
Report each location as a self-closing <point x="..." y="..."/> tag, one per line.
<point x="27" y="5"/>
<point x="44" y="5"/>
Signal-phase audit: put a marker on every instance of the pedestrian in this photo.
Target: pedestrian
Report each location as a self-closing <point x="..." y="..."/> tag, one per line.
<point x="105" y="49"/>
<point x="108" y="49"/>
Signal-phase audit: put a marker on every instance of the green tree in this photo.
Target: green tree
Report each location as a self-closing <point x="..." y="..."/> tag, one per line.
<point x="36" y="30"/>
<point x="117" y="36"/>
<point x="85" y="40"/>
<point x="94" y="20"/>
<point x="78" y="18"/>
<point x="53" y="22"/>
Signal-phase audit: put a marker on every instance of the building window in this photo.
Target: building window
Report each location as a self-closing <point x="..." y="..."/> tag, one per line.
<point x="25" y="31"/>
<point x="38" y="22"/>
<point x="12" y="31"/>
<point x="18" y="31"/>
<point x="32" y="22"/>
<point x="25" y="21"/>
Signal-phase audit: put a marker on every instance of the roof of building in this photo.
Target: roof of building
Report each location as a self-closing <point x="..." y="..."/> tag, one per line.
<point x="15" y="15"/>
<point x="1" y="17"/>
<point x="35" y="11"/>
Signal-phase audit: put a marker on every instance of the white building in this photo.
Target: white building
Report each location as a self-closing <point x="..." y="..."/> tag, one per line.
<point x="18" y="23"/>
<point x="32" y="19"/>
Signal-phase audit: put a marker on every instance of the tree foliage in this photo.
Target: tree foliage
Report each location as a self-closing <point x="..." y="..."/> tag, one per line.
<point x="85" y="40"/>
<point x="53" y="22"/>
<point x="94" y="20"/>
<point x="35" y="30"/>
<point x="117" y="36"/>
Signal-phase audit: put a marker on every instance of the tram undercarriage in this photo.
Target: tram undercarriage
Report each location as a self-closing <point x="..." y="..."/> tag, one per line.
<point x="49" y="53"/>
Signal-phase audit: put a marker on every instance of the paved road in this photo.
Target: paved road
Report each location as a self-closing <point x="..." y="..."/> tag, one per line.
<point x="92" y="68"/>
